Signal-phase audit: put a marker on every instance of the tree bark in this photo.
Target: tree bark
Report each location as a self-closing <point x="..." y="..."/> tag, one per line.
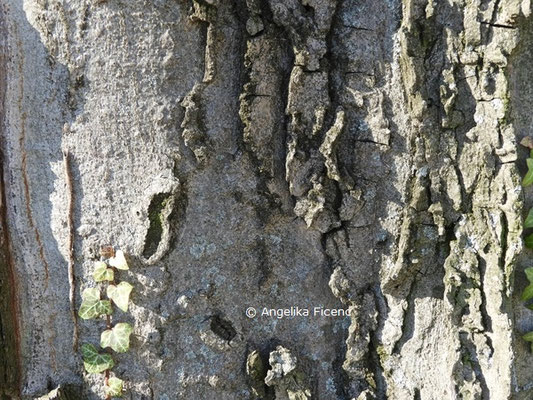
<point x="271" y="154"/>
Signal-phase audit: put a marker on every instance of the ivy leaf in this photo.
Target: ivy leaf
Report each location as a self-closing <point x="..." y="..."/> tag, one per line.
<point x="119" y="261"/>
<point x="528" y="337"/>
<point x="117" y="338"/>
<point x="114" y="387"/>
<point x="528" y="223"/>
<point x="528" y="179"/>
<point x="120" y="294"/>
<point x="529" y="274"/>
<point x="102" y="272"/>
<point x="91" y="294"/>
<point x="95" y="362"/>
<point x="529" y="241"/>
<point x="92" y="306"/>
<point x="527" y="294"/>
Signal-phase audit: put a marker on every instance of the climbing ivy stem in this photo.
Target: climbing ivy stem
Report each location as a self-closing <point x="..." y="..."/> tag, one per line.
<point x="106" y="383"/>
<point x="115" y="337"/>
<point x="109" y="326"/>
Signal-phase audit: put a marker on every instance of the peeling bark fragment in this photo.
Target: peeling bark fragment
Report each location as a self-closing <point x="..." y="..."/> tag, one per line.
<point x="363" y="323"/>
<point x="308" y="30"/>
<point x="202" y="11"/>
<point x="339" y="284"/>
<point x="316" y="208"/>
<point x="328" y="147"/>
<point x="289" y="382"/>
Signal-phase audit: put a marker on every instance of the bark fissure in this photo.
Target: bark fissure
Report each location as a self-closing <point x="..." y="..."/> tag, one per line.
<point x="10" y="339"/>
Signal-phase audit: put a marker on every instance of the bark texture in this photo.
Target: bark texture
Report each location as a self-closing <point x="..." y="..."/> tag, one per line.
<point x="269" y="153"/>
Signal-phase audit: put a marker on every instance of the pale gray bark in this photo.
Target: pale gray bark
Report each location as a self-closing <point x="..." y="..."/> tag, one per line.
<point x="270" y="153"/>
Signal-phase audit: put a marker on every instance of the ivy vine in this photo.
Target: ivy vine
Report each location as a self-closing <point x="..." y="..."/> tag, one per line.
<point x="115" y="337"/>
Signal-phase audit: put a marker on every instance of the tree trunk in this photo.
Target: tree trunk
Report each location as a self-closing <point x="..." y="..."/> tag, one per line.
<point x="352" y="155"/>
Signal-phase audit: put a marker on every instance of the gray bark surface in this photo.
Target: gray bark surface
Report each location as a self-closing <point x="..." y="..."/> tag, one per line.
<point x="269" y="153"/>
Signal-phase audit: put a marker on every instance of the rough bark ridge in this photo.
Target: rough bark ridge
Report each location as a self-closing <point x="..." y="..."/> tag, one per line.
<point x="269" y="153"/>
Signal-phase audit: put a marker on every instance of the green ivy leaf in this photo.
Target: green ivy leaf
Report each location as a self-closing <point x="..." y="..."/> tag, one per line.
<point x="527" y="294"/>
<point x="117" y="338"/>
<point x="114" y="387"/>
<point x="528" y="337"/>
<point x="529" y="274"/>
<point x="528" y="223"/>
<point x="119" y="261"/>
<point x="529" y="241"/>
<point x="102" y="272"/>
<point x="91" y="294"/>
<point x="95" y="362"/>
<point x="120" y="294"/>
<point x="528" y="179"/>
<point x="92" y="306"/>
